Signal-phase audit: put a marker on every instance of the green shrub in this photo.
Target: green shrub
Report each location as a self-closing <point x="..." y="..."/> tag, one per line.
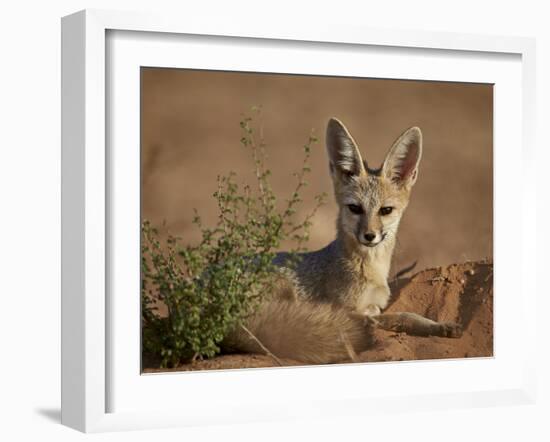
<point x="209" y="288"/>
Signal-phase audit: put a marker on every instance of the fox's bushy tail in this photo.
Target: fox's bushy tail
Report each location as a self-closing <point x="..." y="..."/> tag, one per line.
<point x="304" y="331"/>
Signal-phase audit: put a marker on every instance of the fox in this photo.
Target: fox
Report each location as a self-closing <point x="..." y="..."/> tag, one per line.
<point x="325" y="306"/>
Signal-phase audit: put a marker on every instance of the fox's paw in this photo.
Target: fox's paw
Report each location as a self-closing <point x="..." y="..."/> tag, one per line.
<point x="451" y="330"/>
<point x="372" y="310"/>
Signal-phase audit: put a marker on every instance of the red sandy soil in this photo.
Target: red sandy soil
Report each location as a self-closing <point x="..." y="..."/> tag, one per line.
<point x="460" y="293"/>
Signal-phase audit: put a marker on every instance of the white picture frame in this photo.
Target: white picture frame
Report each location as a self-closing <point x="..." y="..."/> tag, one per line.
<point x="87" y="235"/>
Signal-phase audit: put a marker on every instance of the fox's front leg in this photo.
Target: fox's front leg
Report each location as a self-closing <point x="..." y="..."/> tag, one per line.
<point x="417" y="325"/>
<point x="374" y="299"/>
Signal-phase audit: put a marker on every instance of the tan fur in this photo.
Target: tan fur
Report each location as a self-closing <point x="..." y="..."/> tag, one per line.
<point x="309" y="332"/>
<point x="326" y="303"/>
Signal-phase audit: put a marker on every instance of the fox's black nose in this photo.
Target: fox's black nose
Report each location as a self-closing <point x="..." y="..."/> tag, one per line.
<point x="369" y="236"/>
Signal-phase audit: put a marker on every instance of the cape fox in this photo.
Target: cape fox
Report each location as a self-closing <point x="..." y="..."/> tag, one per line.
<point x="325" y="306"/>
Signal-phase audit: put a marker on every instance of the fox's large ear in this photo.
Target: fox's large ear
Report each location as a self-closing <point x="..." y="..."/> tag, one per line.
<point x="345" y="159"/>
<point x="401" y="163"/>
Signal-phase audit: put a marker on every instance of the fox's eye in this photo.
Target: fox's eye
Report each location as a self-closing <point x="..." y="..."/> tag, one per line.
<point x="354" y="208"/>
<point x="385" y="210"/>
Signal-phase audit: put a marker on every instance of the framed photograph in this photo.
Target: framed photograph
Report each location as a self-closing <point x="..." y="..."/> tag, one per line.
<point x="250" y="212"/>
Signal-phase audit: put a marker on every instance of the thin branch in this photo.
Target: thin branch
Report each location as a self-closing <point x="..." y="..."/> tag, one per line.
<point x="262" y="346"/>
<point x="404" y="271"/>
<point x="349" y="348"/>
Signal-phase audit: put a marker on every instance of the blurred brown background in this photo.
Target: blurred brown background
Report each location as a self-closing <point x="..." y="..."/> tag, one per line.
<point x="190" y="134"/>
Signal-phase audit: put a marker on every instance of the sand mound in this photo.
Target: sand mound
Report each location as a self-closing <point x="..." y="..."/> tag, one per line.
<point x="461" y="293"/>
